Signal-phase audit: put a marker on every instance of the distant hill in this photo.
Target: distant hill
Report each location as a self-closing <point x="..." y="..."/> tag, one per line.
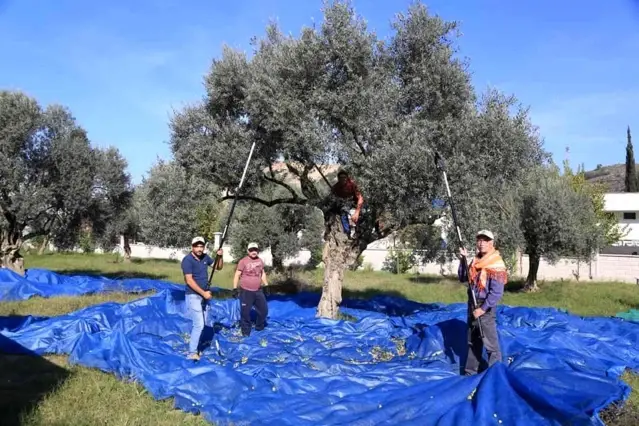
<point x="612" y="177"/>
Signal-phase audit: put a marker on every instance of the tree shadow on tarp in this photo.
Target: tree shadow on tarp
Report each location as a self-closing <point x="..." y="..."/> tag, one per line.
<point x="25" y="379"/>
<point x="208" y="334"/>
<point x="432" y="279"/>
<point x="391" y="303"/>
<point x="139" y="261"/>
<point x="455" y="341"/>
<point x="514" y="286"/>
<point x="16" y="322"/>
<point x="209" y="331"/>
<point x="116" y="275"/>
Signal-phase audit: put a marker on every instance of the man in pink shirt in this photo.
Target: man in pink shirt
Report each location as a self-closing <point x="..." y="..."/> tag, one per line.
<point x="250" y="275"/>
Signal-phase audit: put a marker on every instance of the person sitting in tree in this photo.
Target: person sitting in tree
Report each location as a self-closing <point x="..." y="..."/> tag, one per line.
<point x="347" y="190"/>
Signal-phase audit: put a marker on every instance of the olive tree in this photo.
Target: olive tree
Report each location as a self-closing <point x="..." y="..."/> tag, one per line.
<point x="48" y="172"/>
<point x="339" y="94"/>
<point x="562" y="216"/>
<point x="285" y="229"/>
<point x="171" y="205"/>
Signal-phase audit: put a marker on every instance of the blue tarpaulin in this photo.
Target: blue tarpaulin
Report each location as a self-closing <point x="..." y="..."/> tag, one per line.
<point x="397" y="362"/>
<point x="43" y="283"/>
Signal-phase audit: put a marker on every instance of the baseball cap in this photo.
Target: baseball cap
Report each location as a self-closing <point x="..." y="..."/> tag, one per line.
<point x="196" y="240"/>
<point x="486" y="233"/>
<point x="253" y="246"/>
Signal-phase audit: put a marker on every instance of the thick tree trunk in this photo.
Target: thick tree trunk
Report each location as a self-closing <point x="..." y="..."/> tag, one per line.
<point x="127" y="249"/>
<point x="43" y="246"/>
<point x="339" y="253"/>
<point x="278" y="263"/>
<point x="533" y="268"/>
<point x="14" y="261"/>
<point x="10" y="243"/>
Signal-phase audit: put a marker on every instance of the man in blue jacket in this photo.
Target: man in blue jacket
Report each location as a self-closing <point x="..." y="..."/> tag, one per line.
<point x="195" y="269"/>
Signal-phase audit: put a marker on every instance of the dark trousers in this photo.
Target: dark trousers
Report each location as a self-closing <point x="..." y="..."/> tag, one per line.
<point x="476" y="344"/>
<point x="248" y="300"/>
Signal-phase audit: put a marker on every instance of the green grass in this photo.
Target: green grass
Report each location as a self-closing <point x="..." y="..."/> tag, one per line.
<point x="47" y="391"/>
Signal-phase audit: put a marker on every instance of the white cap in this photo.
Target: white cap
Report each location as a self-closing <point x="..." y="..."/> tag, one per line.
<point x="196" y="240"/>
<point x="486" y="233"/>
<point x="253" y="245"/>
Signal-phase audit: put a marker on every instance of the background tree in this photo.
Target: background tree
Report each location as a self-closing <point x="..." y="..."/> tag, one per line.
<point x="47" y="171"/>
<point x="339" y="94"/>
<point x="632" y="180"/>
<point x="285" y="229"/>
<point x="109" y="214"/>
<point x="70" y="198"/>
<point x="209" y="217"/>
<point x="607" y="222"/>
<point x="170" y="205"/>
<point x="557" y="221"/>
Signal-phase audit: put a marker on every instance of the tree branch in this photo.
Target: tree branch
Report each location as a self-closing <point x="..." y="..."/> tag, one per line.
<point x="280" y="182"/>
<point x="292" y="169"/>
<point x="350" y="129"/>
<point x="322" y="175"/>
<point x="267" y="203"/>
<point x="307" y="185"/>
<point x="32" y="235"/>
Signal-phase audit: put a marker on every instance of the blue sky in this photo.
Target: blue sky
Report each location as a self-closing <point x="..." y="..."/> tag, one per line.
<point x="121" y="66"/>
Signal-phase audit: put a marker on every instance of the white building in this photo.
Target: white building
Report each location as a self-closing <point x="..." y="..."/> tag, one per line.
<point x="625" y="206"/>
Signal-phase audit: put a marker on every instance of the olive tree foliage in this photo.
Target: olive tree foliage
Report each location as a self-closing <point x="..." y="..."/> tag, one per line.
<point x="126" y="223"/>
<point x="71" y="169"/>
<point x="607" y="222"/>
<point x="563" y="215"/>
<point x="112" y="213"/>
<point x="170" y="205"/>
<point x="285" y="229"/>
<point x="338" y="93"/>
<point x="47" y="170"/>
<point x="557" y="221"/>
<point x="96" y="207"/>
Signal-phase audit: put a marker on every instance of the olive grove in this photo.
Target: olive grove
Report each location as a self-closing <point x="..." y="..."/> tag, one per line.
<point x="334" y="96"/>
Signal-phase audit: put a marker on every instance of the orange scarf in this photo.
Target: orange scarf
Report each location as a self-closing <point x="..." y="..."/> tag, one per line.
<point x="491" y="265"/>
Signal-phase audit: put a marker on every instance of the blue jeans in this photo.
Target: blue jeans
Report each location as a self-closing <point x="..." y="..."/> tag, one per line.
<point x="197" y="313"/>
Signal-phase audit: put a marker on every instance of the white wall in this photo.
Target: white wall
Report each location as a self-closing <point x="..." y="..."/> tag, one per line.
<point x="621" y="201"/>
<point x="605" y="267"/>
<point x="143" y="251"/>
<point x="622" y="268"/>
<point x="625" y="205"/>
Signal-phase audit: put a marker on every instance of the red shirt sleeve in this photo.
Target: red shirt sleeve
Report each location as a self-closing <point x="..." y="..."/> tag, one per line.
<point x="241" y="264"/>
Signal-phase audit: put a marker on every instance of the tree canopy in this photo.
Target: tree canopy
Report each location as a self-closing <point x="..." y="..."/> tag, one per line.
<point x="557" y="219"/>
<point x="285" y="229"/>
<point x="173" y="206"/>
<point x="339" y="94"/>
<point x="53" y="181"/>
